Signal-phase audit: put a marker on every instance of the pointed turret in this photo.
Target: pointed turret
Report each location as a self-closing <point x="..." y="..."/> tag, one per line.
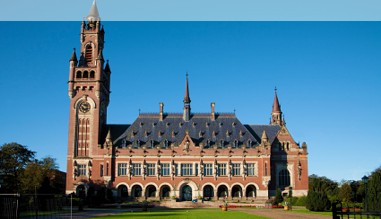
<point x="276" y="113"/>
<point x="74" y="57"/>
<point x="187" y="100"/>
<point x="264" y="137"/>
<point x="94" y="13"/>
<point x="186" y="96"/>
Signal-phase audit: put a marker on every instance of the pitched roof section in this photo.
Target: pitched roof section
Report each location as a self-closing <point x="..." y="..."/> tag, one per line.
<point x="148" y="130"/>
<point x="257" y="130"/>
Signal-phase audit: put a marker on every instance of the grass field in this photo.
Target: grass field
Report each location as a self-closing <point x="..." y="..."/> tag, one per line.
<point x="186" y="214"/>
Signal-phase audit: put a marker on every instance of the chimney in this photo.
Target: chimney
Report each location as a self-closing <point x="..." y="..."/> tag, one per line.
<point x="161" y="111"/>
<point x="213" y="115"/>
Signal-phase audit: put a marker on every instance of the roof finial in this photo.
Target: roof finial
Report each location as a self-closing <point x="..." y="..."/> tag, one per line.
<point x="187" y="108"/>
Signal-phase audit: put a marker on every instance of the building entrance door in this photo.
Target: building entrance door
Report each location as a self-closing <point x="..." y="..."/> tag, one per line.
<point x="187" y="193"/>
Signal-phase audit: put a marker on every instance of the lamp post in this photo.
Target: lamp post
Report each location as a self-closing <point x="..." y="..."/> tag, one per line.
<point x="365" y="181"/>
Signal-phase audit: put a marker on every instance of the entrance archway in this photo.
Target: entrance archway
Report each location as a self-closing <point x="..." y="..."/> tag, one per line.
<point x="186" y="193"/>
<point x="165" y="191"/>
<point x="208" y="192"/>
<point x="236" y="191"/>
<point x="136" y="191"/>
<point x="81" y="191"/>
<point x="150" y="191"/>
<point x="251" y="192"/>
<point x="122" y="192"/>
<point x="222" y="191"/>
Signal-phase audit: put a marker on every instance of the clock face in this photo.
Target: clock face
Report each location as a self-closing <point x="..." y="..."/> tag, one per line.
<point x="84" y="107"/>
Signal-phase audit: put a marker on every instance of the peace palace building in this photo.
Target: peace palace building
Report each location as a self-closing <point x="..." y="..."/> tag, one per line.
<point x="171" y="155"/>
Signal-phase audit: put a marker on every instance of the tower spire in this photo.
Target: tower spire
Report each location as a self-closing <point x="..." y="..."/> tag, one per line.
<point x="94" y="13"/>
<point x="186" y="101"/>
<point x="276" y="113"/>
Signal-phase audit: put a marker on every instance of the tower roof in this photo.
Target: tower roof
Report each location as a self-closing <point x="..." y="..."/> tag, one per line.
<point x="93" y="14"/>
<point x="276" y="105"/>
<point x="186" y="96"/>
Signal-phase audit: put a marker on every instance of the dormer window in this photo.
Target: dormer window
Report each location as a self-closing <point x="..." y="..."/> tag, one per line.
<point x="249" y="143"/>
<point x="235" y="144"/>
<point x="152" y="144"/>
<point x="165" y="143"/>
<point x="222" y="143"/>
<point x="207" y="144"/>
<point x="136" y="144"/>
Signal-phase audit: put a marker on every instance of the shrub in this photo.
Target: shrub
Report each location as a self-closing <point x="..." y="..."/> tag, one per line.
<point x="301" y="201"/>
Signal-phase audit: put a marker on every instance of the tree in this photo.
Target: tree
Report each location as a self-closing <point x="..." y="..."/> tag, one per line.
<point x="278" y="196"/>
<point x="345" y="193"/>
<point x="322" y="191"/>
<point x="42" y="177"/>
<point x="13" y="160"/>
<point x="373" y="195"/>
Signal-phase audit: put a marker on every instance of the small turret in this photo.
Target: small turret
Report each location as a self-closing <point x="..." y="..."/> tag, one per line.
<point x="276" y="113"/>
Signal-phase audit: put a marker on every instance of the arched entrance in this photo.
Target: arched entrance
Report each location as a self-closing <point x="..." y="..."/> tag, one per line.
<point x="251" y="192"/>
<point x="165" y="192"/>
<point x="136" y="191"/>
<point x="81" y="191"/>
<point x="186" y="193"/>
<point x="236" y="191"/>
<point x="122" y="192"/>
<point x="151" y="191"/>
<point x="208" y="192"/>
<point x="222" y="191"/>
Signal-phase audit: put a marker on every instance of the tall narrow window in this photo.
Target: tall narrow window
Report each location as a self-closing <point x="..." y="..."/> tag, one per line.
<point x="122" y="169"/>
<point x="222" y="169"/>
<point x="151" y="169"/>
<point x="208" y="169"/>
<point x="89" y="53"/>
<point x="165" y="169"/>
<point x="101" y="170"/>
<point x="236" y="169"/>
<point x="81" y="169"/>
<point x="137" y="169"/>
<point x="284" y="178"/>
<point x="250" y="169"/>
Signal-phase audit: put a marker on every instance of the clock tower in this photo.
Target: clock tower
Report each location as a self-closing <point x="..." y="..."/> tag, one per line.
<point x="89" y="92"/>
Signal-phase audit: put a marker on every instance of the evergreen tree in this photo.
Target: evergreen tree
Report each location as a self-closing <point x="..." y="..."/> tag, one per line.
<point x="322" y="191"/>
<point x="373" y="194"/>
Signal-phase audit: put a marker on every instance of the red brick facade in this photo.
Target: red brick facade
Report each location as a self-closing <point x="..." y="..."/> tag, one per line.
<point x="162" y="155"/>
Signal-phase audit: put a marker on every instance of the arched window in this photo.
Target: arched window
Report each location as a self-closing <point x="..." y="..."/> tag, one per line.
<point x="79" y="74"/>
<point x="92" y="74"/>
<point x="85" y="74"/>
<point x="284" y="178"/>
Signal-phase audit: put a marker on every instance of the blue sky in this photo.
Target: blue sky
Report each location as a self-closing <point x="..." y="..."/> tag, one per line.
<point x="327" y="73"/>
<point x="204" y="10"/>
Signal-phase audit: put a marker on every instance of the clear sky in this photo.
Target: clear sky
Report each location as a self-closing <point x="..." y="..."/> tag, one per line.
<point x="328" y="77"/>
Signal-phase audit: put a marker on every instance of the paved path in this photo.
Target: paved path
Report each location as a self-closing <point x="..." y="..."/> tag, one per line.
<point x="281" y="214"/>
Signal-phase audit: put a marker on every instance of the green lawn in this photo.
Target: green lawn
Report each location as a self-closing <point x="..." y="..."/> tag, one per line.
<point x="186" y="214"/>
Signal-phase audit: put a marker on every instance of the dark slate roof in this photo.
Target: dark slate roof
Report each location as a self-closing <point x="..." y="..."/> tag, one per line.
<point x="257" y="130"/>
<point x="148" y="130"/>
<point x="116" y="130"/>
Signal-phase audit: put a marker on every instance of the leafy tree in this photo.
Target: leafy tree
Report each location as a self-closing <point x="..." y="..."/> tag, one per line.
<point x="345" y="193"/>
<point x="42" y="177"/>
<point x="373" y="195"/>
<point x="13" y="160"/>
<point x="322" y="191"/>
